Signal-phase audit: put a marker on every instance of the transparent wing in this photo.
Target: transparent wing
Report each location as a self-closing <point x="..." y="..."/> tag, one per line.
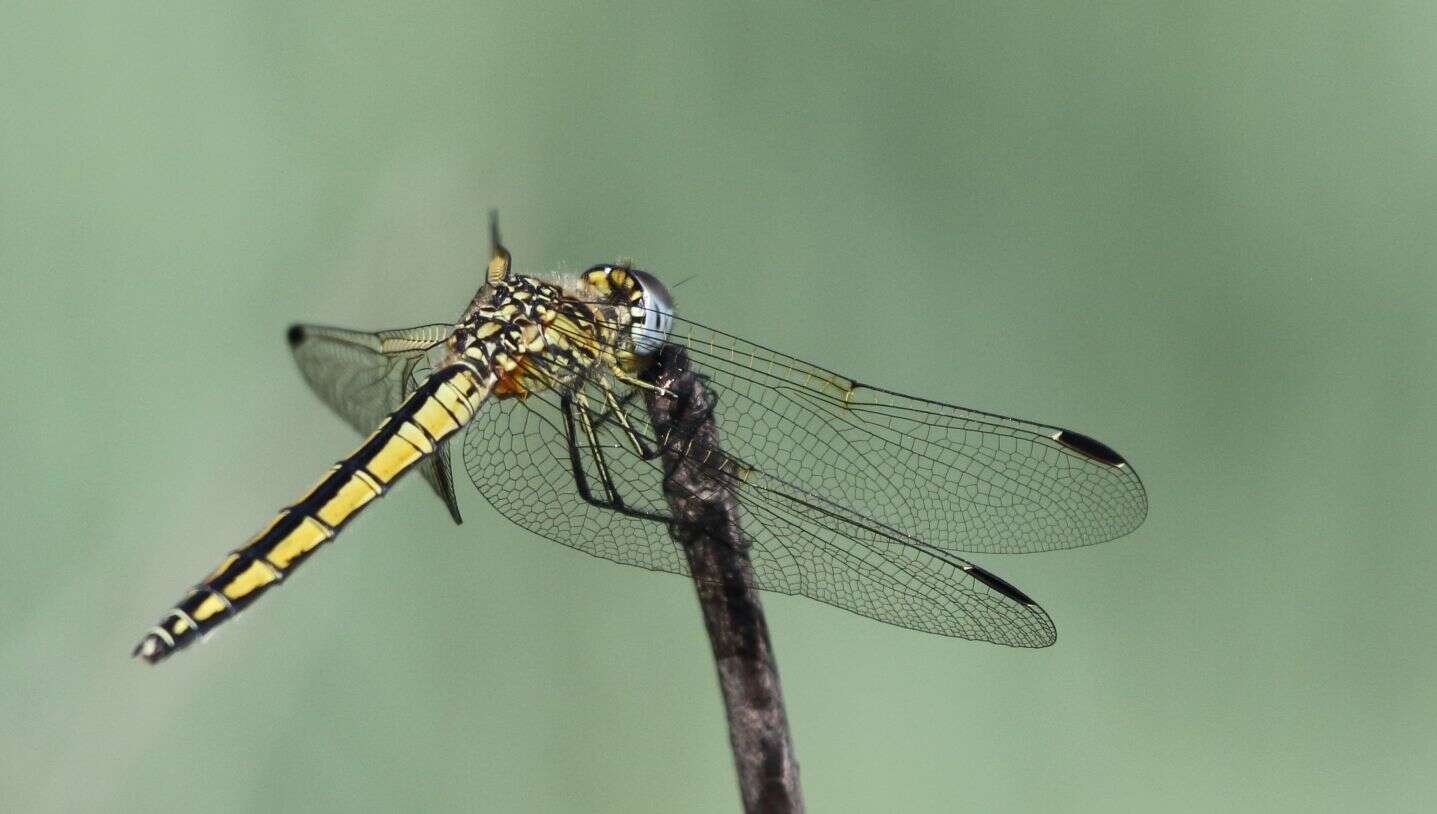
<point x="364" y="376"/>
<point x="940" y="474"/>
<point x="522" y="456"/>
<point x="948" y="476"/>
<point x="517" y="454"/>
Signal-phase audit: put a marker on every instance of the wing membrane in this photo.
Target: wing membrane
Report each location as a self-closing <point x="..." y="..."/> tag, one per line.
<point x="517" y="453"/>
<point x="364" y="376"/>
<point x="851" y="494"/>
<point x="949" y="476"/>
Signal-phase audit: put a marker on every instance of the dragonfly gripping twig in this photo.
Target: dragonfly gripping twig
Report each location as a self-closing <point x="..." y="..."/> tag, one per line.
<point x="706" y="510"/>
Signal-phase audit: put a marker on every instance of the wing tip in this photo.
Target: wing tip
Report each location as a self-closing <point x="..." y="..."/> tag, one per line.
<point x="1045" y="634"/>
<point x="295" y="335"/>
<point x="1136" y="501"/>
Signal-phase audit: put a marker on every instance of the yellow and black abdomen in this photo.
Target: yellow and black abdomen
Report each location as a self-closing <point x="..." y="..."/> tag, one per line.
<point x="435" y="411"/>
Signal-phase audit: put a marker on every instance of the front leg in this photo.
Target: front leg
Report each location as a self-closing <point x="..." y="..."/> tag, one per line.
<point x="578" y="419"/>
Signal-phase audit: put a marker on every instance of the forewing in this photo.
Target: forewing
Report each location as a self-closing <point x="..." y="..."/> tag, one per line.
<point x="945" y="475"/>
<point x="364" y="376"/>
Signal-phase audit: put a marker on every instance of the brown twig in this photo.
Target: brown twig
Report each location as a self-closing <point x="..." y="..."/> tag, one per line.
<point x="702" y="498"/>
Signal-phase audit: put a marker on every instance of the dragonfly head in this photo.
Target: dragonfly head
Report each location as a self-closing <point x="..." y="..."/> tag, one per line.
<point x="650" y="330"/>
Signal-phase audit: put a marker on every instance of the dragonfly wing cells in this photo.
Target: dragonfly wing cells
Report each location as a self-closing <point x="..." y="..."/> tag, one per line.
<point x="363" y="377"/>
<point x="851" y="495"/>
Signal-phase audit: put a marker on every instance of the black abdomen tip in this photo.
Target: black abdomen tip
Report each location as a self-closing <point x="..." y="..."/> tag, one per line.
<point x="1091" y="447"/>
<point x="152" y="649"/>
<point x="295" y="335"/>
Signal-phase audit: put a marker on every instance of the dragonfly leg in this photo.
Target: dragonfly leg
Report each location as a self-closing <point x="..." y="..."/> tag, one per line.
<point x="637" y="383"/>
<point x="642" y="448"/>
<point x="612" y="500"/>
<point x="580" y="404"/>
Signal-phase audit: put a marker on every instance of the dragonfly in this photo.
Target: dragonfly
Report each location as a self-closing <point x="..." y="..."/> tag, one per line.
<point x="850" y="494"/>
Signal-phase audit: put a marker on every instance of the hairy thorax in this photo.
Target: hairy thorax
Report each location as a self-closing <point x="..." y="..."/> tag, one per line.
<point x="530" y="334"/>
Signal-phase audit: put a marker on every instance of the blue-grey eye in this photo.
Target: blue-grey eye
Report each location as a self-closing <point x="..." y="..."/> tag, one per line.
<point x="652" y="331"/>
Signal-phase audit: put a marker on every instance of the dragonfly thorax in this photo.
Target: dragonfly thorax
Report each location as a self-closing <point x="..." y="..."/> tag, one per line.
<point x="505" y="317"/>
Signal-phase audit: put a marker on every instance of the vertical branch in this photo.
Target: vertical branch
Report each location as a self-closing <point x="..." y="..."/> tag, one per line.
<point x="702" y="498"/>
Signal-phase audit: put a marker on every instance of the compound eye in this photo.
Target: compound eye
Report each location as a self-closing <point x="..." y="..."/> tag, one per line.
<point x="651" y="330"/>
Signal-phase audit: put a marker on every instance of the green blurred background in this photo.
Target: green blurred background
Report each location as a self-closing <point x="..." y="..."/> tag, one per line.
<point x="1203" y="233"/>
